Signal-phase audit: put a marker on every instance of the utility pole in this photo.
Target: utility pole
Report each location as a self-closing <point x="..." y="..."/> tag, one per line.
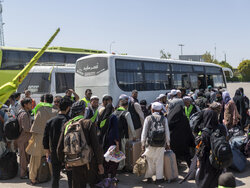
<point x="111" y="46"/>
<point x="214" y="51"/>
<point x="1" y="25"/>
<point x="225" y="55"/>
<point x="181" y="45"/>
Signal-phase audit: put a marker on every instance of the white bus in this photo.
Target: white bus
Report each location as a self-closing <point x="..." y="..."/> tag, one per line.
<point x="118" y="74"/>
<point x="48" y="79"/>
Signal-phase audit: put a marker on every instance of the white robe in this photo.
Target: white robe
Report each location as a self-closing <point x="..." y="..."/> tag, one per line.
<point x="155" y="159"/>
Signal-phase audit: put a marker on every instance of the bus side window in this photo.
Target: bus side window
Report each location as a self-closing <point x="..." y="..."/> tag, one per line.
<point x="194" y="81"/>
<point x="128" y="81"/>
<point x="181" y="80"/>
<point x="64" y="81"/>
<point x="57" y="58"/>
<point x="11" y="60"/>
<point x="44" y="58"/>
<point x="26" y="57"/>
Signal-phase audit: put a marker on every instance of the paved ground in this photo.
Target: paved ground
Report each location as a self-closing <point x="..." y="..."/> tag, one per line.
<point x="231" y="87"/>
<point x="130" y="180"/>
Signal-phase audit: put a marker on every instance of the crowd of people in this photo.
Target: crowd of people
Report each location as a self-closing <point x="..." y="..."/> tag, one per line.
<point x="74" y="134"/>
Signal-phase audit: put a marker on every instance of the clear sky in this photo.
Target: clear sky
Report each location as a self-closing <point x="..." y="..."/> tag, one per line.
<point x="138" y="27"/>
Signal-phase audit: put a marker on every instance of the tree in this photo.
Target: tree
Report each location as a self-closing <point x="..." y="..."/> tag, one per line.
<point x="207" y="57"/>
<point x="165" y="55"/>
<point x="225" y="64"/>
<point x="244" y="69"/>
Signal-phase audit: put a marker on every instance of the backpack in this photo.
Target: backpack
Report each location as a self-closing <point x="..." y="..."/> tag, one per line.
<point x="156" y="134"/>
<point x="122" y="124"/>
<point x="43" y="173"/>
<point x="76" y="149"/>
<point x="195" y="121"/>
<point x="12" y="128"/>
<point x="221" y="153"/>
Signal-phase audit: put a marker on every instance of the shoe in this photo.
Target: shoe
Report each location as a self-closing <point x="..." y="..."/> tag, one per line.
<point x="24" y="177"/>
<point x="159" y="181"/>
<point x="149" y="180"/>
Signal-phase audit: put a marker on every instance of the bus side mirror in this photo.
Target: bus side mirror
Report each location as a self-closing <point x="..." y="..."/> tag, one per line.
<point x="228" y="71"/>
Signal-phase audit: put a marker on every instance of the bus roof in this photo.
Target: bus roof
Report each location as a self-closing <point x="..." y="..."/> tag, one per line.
<point x="151" y="59"/>
<point x="48" y="69"/>
<point x="57" y="49"/>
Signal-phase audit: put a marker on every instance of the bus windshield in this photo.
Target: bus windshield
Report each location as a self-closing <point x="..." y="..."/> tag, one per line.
<point x="37" y="83"/>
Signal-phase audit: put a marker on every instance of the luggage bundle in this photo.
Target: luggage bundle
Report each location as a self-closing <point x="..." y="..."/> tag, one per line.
<point x="140" y="166"/>
<point x="235" y="131"/>
<point x="8" y="165"/>
<point x="43" y="174"/>
<point x="133" y="152"/>
<point x="238" y="145"/>
<point x="170" y="166"/>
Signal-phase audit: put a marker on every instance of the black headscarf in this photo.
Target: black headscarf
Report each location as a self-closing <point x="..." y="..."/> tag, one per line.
<point x="238" y="93"/>
<point x="239" y="101"/>
<point x="210" y="119"/>
<point x="176" y="115"/>
<point x="106" y="113"/>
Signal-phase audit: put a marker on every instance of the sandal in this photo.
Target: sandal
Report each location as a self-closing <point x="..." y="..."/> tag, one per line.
<point x="32" y="183"/>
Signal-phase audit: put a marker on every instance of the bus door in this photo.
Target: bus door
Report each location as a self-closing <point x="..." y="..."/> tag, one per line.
<point x="197" y="81"/>
<point x="199" y="72"/>
<point x="209" y="79"/>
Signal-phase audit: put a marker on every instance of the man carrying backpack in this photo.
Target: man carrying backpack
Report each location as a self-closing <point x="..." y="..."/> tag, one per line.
<point x="24" y="120"/>
<point x="155" y="138"/>
<point x="126" y="127"/>
<point x="51" y="137"/>
<point x="79" y="148"/>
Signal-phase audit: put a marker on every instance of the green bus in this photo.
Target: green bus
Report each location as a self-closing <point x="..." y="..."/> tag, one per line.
<point x="12" y="60"/>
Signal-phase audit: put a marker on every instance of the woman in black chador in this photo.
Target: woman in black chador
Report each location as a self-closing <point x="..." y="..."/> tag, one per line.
<point x="207" y="176"/>
<point x="181" y="137"/>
